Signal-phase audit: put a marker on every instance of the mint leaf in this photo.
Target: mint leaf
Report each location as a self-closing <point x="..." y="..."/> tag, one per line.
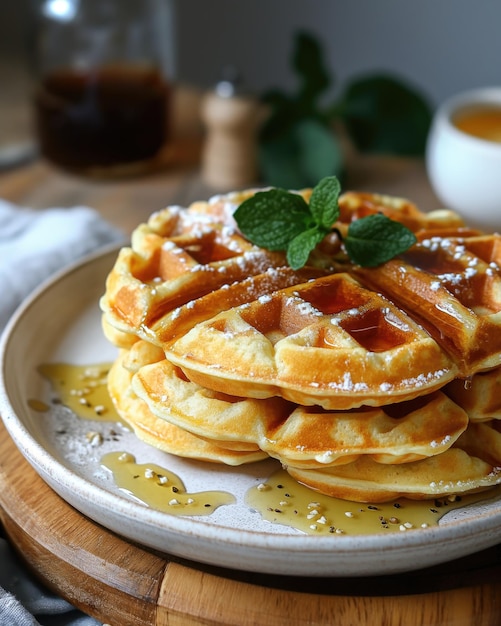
<point x="271" y="219"/>
<point x="300" y="247"/>
<point x="375" y="239"/>
<point x="324" y="202"/>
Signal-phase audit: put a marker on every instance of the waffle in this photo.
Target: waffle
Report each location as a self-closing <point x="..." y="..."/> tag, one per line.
<point x="472" y="464"/>
<point x="364" y="383"/>
<point x="453" y="288"/>
<point x="180" y="255"/>
<point x="355" y="205"/>
<point x="157" y="432"/>
<point x="480" y="395"/>
<point x="177" y="256"/>
<point x="329" y="342"/>
<point x="445" y="285"/>
<point x="307" y="437"/>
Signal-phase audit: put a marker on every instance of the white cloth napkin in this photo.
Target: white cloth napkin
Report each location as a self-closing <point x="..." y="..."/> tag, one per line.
<point x="34" y="245"/>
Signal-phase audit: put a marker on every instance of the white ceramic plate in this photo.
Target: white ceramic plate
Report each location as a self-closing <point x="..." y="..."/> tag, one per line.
<point x="61" y="322"/>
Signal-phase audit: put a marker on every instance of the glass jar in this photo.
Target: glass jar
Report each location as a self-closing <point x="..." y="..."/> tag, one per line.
<point x="103" y="67"/>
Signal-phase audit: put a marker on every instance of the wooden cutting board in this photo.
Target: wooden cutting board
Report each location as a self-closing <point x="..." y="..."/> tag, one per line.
<point x="123" y="584"/>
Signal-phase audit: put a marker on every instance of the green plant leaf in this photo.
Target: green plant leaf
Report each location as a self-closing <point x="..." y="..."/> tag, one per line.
<point x="300" y="247"/>
<point x="375" y="239"/>
<point x="283" y="115"/>
<point x="280" y="164"/>
<point x="384" y="114"/>
<point x="307" y="153"/>
<point x="272" y="218"/>
<point x="381" y="113"/>
<point x="308" y="62"/>
<point x="296" y="145"/>
<point x="318" y="150"/>
<point x="324" y="201"/>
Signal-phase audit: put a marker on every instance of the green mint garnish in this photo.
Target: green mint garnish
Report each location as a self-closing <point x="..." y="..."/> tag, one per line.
<point x="375" y="239"/>
<point x="282" y="220"/>
<point x="300" y="247"/>
<point x="271" y="219"/>
<point x="323" y="202"/>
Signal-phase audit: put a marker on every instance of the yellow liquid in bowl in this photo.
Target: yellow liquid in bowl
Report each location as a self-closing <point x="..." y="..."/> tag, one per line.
<point x="482" y="123"/>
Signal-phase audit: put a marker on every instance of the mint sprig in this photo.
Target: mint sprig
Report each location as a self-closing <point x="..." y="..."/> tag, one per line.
<point x="277" y="219"/>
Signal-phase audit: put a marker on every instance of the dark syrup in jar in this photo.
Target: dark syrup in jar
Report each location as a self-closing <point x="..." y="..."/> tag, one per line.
<point x="101" y="118"/>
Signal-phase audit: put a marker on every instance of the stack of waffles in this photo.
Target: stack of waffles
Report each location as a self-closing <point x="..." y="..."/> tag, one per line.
<point x="365" y="383"/>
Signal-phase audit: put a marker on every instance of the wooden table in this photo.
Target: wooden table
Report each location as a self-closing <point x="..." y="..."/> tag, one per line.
<point x="126" y="203"/>
<point x="123" y="202"/>
<point x="124" y="584"/>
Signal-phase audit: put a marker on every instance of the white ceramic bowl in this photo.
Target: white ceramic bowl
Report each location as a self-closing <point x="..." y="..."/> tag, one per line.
<point x="465" y="170"/>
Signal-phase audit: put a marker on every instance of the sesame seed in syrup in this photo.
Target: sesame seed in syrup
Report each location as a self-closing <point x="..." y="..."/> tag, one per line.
<point x="160" y="488"/>
<point x="94" y="438"/>
<point x="82" y="389"/>
<point x="323" y="515"/>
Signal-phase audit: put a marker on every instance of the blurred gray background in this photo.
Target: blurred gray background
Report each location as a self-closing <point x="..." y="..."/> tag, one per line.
<point x="440" y="46"/>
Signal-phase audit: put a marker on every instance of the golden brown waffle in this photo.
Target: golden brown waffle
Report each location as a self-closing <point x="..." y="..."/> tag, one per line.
<point x="329" y="342"/>
<point x="180" y="255"/>
<point x="479" y="396"/>
<point x="306" y="437"/>
<point x="450" y="289"/>
<point x="337" y="371"/>
<point x="157" y="432"/>
<point x="472" y="464"/>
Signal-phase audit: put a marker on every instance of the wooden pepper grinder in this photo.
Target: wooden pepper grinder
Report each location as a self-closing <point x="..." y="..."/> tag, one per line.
<point x="231" y="118"/>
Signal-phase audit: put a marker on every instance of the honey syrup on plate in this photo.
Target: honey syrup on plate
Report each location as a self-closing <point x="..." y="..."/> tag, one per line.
<point x="82" y="389"/>
<point x="279" y="499"/>
<point x="282" y="500"/>
<point x="160" y="488"/>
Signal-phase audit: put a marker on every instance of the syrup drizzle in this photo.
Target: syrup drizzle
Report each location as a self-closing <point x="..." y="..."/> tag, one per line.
<point x="279" y="499"/>
<point x="282" y="500"/>
<point x="160" y="488"/>
<point x="82" y="389"/>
